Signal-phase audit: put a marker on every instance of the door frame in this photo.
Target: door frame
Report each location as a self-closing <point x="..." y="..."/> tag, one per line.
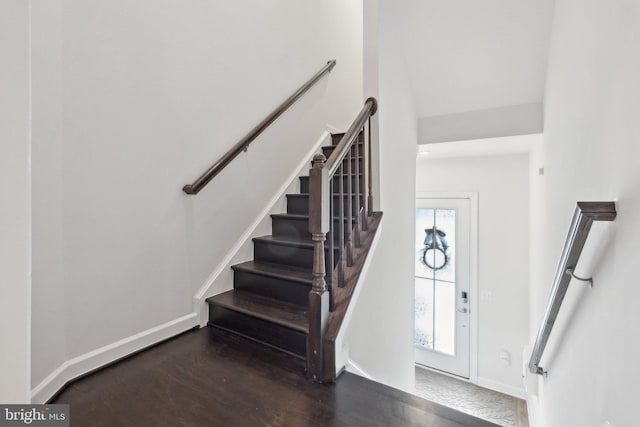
<point x="473" y="271"/>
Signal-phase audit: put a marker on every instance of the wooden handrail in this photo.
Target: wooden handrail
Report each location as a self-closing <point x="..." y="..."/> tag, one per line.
<point x="583" y="217"/>
<point x="321" y="225"/>
<point x="243" y="144"/>
<point x="335" y="159"/>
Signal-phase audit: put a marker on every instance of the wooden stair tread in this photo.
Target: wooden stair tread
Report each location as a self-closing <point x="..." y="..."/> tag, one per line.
<point x="288" y="215"/>
<point x="306" y="195"/>
<point x="279" y="312"/>
<point x="335" y="176"/>
<point x="303" y="217"/>
<point x="280" y="271"/>
<point x="287" y="241"/>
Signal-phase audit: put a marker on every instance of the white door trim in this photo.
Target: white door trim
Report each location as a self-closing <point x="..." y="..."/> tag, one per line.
<point x="473" y="270"/>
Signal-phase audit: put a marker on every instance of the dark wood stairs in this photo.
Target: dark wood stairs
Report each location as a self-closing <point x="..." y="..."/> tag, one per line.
<point x="269" y="301"/>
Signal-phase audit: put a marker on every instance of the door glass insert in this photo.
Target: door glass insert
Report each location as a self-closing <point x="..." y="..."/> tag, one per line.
<point x="435" y="279"/>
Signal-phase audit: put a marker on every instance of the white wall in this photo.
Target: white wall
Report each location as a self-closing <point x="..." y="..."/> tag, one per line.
<point x="15" y="207"/>
<point x="371" y="82"/>
<point x="48" y="298"/>
<point x="591" y="152"/>
<point x="537" y="221"/>
<point x="475" y="55"/>
<point x="524" y="119"/>
<point x="502" y="184"/>
<point x="134" y="100"/>
<point x="380" y="336"/>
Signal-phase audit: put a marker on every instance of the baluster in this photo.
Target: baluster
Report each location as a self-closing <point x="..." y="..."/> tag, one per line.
<point x="365" y="181"/>
<point x="341" y="253"/>
<point x="319" y="225"/>
<point x="349" y="225"/>
<point x="369" y="177"/>
<point x="330" y="258"/>
<point x="356" y="148"/>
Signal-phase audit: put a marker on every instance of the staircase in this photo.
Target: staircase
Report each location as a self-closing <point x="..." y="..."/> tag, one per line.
<point x="295" y="293"/>
<point x="270" y="299"/>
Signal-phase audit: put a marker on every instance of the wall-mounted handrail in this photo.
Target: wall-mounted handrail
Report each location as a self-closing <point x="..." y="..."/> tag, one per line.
<point x="243" y="144"/>
<point x="583" y="217"/>
<point x="352" y="153"/>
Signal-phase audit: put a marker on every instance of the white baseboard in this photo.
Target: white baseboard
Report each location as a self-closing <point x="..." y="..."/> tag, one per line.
<point x="205" y="290"/>
<point x="533" y="407"/>
<point x="355" y="369"/>
<point x="502" y="388"/>
<point x="95" y="359"/>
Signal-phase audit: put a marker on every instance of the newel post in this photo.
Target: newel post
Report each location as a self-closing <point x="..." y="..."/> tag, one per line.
<point x="319" y="226"/>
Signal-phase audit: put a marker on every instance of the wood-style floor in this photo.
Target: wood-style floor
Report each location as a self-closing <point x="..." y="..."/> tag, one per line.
<point x="208" y="377"/>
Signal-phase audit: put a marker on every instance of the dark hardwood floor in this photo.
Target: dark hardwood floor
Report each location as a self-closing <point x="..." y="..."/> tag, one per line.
<point x="209" y="377"/>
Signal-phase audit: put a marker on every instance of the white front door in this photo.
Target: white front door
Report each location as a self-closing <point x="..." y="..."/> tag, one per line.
<point x="442" y="278"/>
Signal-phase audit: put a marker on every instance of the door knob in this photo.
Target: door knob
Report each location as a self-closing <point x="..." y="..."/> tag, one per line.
<point x="463" y="310"/>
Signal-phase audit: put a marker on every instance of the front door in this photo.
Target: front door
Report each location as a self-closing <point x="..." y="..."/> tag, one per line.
<point x="442" y="277"/>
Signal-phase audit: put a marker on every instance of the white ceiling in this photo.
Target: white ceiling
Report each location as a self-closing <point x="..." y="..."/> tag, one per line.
<point x="467" y="55"/>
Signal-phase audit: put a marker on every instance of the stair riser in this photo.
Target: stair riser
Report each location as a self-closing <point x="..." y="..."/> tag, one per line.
<point x="330" y="149"/>
<point x="335" y="139"/>
<point x="304" y="183"/>
<point x="297" y="228"/>
<point x="300" y="205"/>
<point x="346" y="166"/>
<point x="287" y="255"/>
<point x="282" y="289"/>
<point x="258" y="329"/>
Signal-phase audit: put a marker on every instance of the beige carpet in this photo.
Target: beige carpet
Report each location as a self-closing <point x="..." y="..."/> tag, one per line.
<point x="487" y="404"/>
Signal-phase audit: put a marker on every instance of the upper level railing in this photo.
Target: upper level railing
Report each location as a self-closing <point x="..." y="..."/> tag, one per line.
<point x="583" y="217"/>
<point x="340" y="202"/>
<point x="243" y="144"/>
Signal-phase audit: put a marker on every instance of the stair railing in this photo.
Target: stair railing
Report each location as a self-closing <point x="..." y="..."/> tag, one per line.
<point x="350" y="155"/>
<point x="584" y="216"/>
<point x="244" y="143"/>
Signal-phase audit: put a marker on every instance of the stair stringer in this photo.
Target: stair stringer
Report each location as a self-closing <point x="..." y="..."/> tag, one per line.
<point x="343" y="360"/>
<point x="221" y="279"/>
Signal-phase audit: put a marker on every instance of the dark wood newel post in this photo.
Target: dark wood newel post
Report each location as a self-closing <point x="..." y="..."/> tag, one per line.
<point x="319" y="226"/>
<point x="370" y="158"/>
